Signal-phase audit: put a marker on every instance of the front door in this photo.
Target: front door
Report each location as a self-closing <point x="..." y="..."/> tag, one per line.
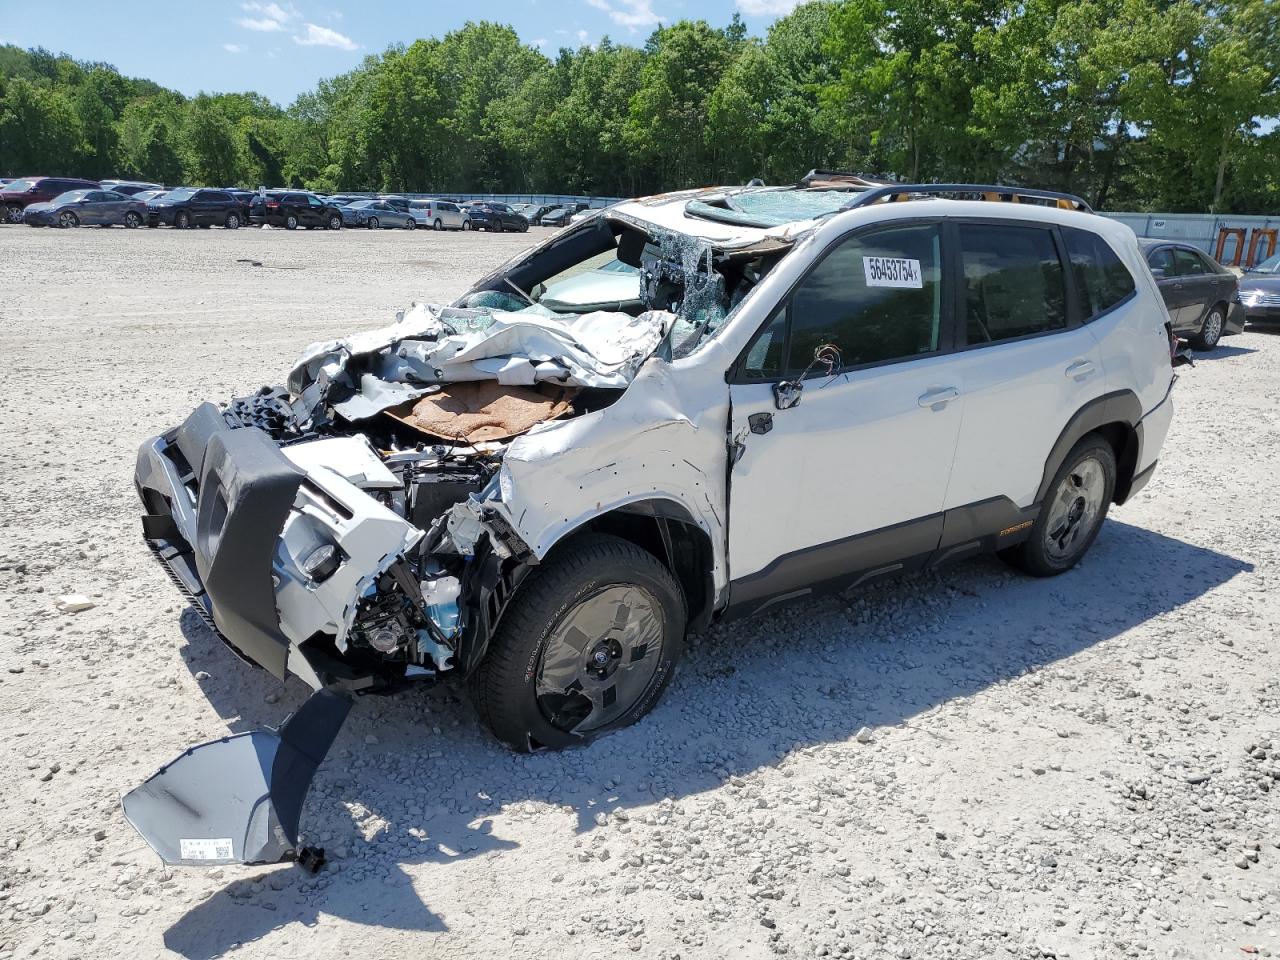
<point x="848" y="483"/>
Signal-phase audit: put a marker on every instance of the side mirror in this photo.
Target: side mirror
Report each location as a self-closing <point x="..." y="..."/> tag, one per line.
<point x="786" y="393"/>
<point x="1159" y="273"/>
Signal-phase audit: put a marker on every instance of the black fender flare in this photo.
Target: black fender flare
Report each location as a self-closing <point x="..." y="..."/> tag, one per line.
<point x="1120" y="408"/>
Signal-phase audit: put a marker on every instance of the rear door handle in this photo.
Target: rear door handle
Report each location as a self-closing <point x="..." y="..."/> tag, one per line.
<point x="1177" y="286"/>
<point x="939" y="398"/>
<point x="1080" y="369"/>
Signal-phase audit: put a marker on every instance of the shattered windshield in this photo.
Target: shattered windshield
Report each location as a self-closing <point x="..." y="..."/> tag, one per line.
<point x="768" y="207"/>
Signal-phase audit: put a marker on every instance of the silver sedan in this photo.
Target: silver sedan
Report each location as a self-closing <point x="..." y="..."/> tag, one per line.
<point x="375" y="214"/>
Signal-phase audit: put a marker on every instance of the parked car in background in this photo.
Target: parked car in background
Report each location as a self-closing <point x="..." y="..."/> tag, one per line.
<point x="130" y="188"/>
<point x="342" y="199"/>
<point x="440" y="215"/>
<point x="1199" y="292"/>
<point x="1260" y="292"/>
<point x="375" y="214"/>
<point x="197" y="207"/>
<point x="294" y="208"/>
<point x="104" y="208"/>
<point x="400" y="203"/>
<point x="497" y="217"/>
<point x="146" y="196"/>
<point x="557" y="217"/>
<point x="21" y="193"/>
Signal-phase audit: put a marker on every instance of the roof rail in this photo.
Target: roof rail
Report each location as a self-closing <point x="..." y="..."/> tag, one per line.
<point x="990" y="192"/>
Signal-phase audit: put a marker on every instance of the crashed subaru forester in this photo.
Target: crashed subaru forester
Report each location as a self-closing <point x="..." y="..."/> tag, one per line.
<point x="768" y="392"/>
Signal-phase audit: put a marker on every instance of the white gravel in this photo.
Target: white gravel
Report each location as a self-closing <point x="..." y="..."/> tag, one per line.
<point x="971" y="764"/>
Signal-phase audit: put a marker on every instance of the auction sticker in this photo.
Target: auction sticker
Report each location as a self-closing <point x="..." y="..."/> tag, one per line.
<point x="215" y="848"/>
<point x="893" y="272"/>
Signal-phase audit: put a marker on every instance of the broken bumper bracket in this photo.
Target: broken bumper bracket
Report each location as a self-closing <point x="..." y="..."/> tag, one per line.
<point x="238" y="799"/>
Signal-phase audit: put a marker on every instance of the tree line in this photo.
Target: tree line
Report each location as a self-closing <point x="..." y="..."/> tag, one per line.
<point x="1163" y="105"/>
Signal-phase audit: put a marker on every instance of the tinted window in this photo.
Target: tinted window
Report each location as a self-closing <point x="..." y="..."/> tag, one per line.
<point x="216" y="196"/>
<point x="875" y="297"/>
<point x="1189" y="263"/>
<point x="1102" y="279"/>
<point x="1162" y="259"/>
<point x="1013" y="282"/>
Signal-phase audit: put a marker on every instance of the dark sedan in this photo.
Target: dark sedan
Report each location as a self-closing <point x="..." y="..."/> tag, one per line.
<point x="1199" y="292"/>
<point x="197" y="207"/>
<point x="17" y="195"/>
<point x="1260" y="292"/>
<point x="105" y="208"/>
<point x="496" y="217"/>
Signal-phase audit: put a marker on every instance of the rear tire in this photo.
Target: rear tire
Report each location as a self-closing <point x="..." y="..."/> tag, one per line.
<point x="291" y="222"/>
<point x="588" y="645"/>
<point x="1211" y="330"/>
<point x="1072" y="513"/>
<point x="373" y="223"/>
<point x="411" y="224"/>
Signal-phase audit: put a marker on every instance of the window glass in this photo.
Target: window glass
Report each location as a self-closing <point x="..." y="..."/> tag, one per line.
<point x="1162" y="259"/>
<point x="1013" y="282"/>
<point x="314" y="201"/>
<point x="876" y="297"/>
<point x="1189" y="263"/>
<point x="764" y="358"/>
<point x="1100" y="276"/>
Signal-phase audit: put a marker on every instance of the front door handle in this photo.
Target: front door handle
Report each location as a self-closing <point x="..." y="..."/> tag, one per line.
<point x="939" y="398"/>
<point x="1080" y="369"/>
<point x="1177" y="286"/>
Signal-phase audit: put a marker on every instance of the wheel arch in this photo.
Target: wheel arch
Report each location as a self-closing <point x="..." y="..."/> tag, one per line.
<point x="1117" y="418"/>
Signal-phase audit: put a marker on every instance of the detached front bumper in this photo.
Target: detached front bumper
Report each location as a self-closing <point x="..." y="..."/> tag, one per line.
<point x="216" y="500"/>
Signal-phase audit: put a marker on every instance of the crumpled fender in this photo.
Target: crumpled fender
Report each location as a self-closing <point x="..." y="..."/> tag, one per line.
<point x="664" y="439"/>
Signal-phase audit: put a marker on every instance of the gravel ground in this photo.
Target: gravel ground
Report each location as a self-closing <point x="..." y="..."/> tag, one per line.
<point x="965" y="764"/>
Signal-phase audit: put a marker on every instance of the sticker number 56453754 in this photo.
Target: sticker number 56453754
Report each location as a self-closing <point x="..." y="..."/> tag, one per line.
<point x="893" y="272"/>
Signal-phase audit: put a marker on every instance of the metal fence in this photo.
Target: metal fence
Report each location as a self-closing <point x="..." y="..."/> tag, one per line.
<point x="1202" y="230"/>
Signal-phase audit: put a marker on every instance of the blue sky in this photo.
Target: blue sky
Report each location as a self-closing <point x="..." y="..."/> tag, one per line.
<point x="282" y="48"/>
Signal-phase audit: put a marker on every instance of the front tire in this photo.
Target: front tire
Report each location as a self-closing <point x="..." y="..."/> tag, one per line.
<point x="1211" y="330"/>
<point x="232" y="222"/>
<point x="182" y="220"/>
<point x="587" y="647"/>
<point x="466" y="226"/>
<point x="335" y="222"/>
<point x="132" y="220"/>
<point x="15" y="213"/>
<point x="1072" y="513"/>
<point x="68" y="219"/>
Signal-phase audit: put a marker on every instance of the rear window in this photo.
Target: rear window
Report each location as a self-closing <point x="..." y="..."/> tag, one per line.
<point x="215" y="195"/>
<point x="1103" y="280"/>
<point x="1013" y="282"/>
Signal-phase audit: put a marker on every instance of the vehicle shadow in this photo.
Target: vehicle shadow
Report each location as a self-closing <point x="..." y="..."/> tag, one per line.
<point x="402" y="784"/>
<point x="1222" y="351"/>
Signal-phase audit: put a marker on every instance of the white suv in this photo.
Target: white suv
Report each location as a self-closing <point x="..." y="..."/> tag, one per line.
<point x="814" y="387"/>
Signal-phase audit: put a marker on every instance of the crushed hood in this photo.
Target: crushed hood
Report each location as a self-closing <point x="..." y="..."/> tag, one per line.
<point x="431" y="345"/>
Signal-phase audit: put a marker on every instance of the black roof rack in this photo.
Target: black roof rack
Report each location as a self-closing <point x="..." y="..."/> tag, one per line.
<point x="991" y="192"/>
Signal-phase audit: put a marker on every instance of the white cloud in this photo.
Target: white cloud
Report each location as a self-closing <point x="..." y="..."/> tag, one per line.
<point x="767" y="8"/>
<point x="268" y="17"/>
<point x="234" y="48"/>
<point x="632" y="14"/>
<point x="582" y="36"/>
<point x="540" y="42"/>
<point x="317" y="36"/>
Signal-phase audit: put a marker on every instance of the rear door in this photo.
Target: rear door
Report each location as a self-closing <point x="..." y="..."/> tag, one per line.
<point x="849" y="482"/>
<point x="1026" y="364"/>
